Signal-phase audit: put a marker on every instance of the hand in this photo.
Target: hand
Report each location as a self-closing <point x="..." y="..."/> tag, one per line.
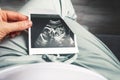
<point x="12" y="23"/>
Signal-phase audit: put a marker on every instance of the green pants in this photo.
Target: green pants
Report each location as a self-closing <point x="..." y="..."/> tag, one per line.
<point x="93" y="53"/>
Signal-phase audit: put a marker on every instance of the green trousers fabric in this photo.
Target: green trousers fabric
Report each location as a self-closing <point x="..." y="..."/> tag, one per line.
<point x="93" y="53"/>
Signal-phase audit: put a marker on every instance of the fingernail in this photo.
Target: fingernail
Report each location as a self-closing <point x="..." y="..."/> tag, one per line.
<point x="24" y="17"/>
<point x="29" y="23"/>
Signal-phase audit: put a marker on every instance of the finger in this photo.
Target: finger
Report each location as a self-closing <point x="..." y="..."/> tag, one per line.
<point x="19" y="26"/>
<point x="13" y="34"/>
<point x="1" y="19"/>
<point x="14" y="16"/>
<point x="0" y="14"/>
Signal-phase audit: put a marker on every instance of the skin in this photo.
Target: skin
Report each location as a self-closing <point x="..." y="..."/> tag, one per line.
<point x="12" y="23"/>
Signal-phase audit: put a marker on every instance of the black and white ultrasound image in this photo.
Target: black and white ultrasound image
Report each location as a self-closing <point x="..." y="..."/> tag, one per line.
<point x="50" y="31"/>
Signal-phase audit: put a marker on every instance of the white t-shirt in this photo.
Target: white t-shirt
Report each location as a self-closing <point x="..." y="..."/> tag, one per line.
<point x="49" y="71"/>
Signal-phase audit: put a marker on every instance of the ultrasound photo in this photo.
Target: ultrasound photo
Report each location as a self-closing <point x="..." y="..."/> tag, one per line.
<point x="49" y="34"/>
<point x="50" y="31"/>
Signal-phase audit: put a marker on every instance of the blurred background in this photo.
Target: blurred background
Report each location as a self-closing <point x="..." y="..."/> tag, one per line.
<point x="102" y="18"/>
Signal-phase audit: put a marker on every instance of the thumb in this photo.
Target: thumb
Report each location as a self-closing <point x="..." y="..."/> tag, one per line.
<point x="18" y="26"/>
